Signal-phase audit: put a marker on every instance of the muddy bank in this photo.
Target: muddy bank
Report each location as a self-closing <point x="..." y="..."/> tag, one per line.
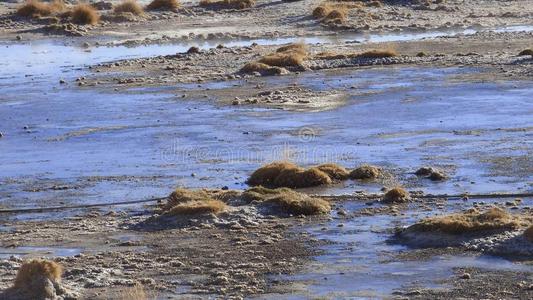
<point x="198" y="260"/>
<point x="225" y="65"/>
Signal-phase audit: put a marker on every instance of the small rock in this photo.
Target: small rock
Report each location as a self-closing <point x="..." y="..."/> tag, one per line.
<point x="465" y="276"/>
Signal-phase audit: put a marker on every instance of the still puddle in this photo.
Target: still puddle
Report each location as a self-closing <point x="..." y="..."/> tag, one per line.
<point x="26" y="251"/>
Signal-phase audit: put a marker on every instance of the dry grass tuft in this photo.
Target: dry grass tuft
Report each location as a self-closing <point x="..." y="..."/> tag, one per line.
<point x="180" y="196"/>
<point x="227" y="4"/>
<point x="331" y="14"/>
<point x="334" y="171"/>
<point x="136" y="292"/>
<point x="286" y="174"/>
<point x="129" y="6"/>
<point x="365" y="172"/>
<point x="207" y="206"/>
<point x="378" y="53"/>
<point x="321" y="11"/>
<point x="526" y="52"/>
<point x="35" y="270"/>
<point x="470" y="221"/>
<point x="84" y="14"/>
<point x="290" y="201"/>
<point x="396" y="195"/>
<point x="528" y="234"/>
<point x="261" y="68"/>
<point x="172" y="5"/>
<point x="291" y="55"/>
<point x="374" y="3"/>
<point x="35" y="8"/>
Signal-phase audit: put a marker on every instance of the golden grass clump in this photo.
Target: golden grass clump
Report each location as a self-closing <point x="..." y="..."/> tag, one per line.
<point x="290" y="201"/>
<point x="301" y="178"/>
<point x="261" y="68"/>
<point x="129" y="6"/>
<point x="35" y="8"/>
<point x="334" y="171"/>
<point x="526" y="52"/>
<point x="35" y="270"/>
<point x="396" y="195"/>
<point x="163" y="5"/>
<point x="191" y="202"/>
<point x="321" y="11"/>
<point x="227" y="4"/>
<point x="337" y="15"/>
<point x="300" y="48"/>
<point x="528" y="234"/>
<point x="286" y="174"/>
<point x="136" y="292"/>
<point x="207" y="206"/>
<point x="84" y="14"/>
<point x="365" y="172"/>
<point x="283" y="59"/>
<point x="470" y="221"/>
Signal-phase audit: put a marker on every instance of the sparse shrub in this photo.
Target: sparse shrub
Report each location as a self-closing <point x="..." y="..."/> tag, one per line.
<point x="299" y="48"/>
<point x="180" y="196"/>
<point x="129" y="6"/>
<point x="266" y="174"/>
<point x="334" y="171"/>
<point x="290" y="201"/>
<point x="365" y="172"/>
<point x="526" y="52"/>
<point x="136" y="292"/>
<point x="172" y="5"/>
<point x="421" y="54"/>
<point x="396" y="195"/>
<point x="35" y="8"/>
<point x="470" y="221"/>
<point x="528" y="234"/>
<point x="193" y="50"/>
<point x="227" y="4"/>
<point x="84" y="14"/>
<point x="437" y="176"/>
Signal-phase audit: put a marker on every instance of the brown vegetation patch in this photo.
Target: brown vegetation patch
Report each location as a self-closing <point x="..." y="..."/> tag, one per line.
<point x="84" y="14"/>
<point x="526" y="52"/>
<point x="227" y="4"/>
<point x="262" y="69"/>
<point x="396" y="195"/>
<point x="129" y="6"/>
<point x="286" y="174"/>
<point x="37" y="279"/>
<point x="172" y="5"/>
<point x="331" y="14"/>
<point x="334" y="171"/>
<point x="470" y="221"/>
<point x="528" y="234"/>
<point x="290" y="201"/>
<point x="207" y="206"/>
<point x="37" y="269"/>
<point x="365" y="172"/>
<point x="35" y="8"/>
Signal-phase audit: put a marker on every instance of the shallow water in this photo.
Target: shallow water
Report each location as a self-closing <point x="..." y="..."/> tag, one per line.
<point x="359" y="261"/>
<point x="38" y="252"/>
<point x="65" y="145"/>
